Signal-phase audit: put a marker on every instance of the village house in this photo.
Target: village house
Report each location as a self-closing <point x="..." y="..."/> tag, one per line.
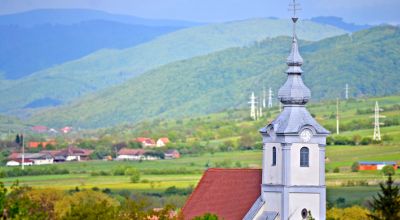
<point x="376" y="165"/>
<point x="146" y="142"/>
<point x="72" y="153"/>
<point x="162" y="142"/>
<point x="15" y="159"/>
<point x="136" y="154"/>
<point x="172" y="154"/>
<point x="66" y="130"/>
<point x="18" y="162"/>
<point x="39" y="129"/>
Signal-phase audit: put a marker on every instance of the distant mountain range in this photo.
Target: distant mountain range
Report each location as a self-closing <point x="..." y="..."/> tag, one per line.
<point x="36" y="40"/>
<point x="74" y="16"/>
<point x="339" y="23"/>
<point x="108" y="67"/>
<point x="366" y="60"/>
<point x="25" y="50"/>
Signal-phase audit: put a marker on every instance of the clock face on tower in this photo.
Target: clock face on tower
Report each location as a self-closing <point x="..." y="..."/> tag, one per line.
<point x="306" y="135"/>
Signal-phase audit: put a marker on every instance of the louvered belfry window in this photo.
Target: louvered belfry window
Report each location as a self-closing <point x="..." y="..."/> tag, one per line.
<point x="304" y="157"/>
<point x="274" y="156"/>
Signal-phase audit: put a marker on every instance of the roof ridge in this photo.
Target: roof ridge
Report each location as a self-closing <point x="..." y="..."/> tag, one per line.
<point x="233" y="169"/>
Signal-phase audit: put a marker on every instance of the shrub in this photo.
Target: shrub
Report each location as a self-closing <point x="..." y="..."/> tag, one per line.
<point x="93" y="173"/>
<point x="336" y="170"/>
<point x="387" y="138"/>
<point x="135" y="176"/>
<point x="330" y="140"/>
<point x="366" y="141"/>
<point x="173" y="190"/>
<point x="104" y="173"/>
<point x="130" y="171"/>
<point x="119" y="171"/>
<point x="388" y="170"/>
<point x="340" y="140"/>
<point x="354" y="167"/>
<point x="206" y="216"/>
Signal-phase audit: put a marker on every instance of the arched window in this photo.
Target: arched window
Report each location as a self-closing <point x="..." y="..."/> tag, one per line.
<point x="304" y="157"/>
<point x="274" y="156"/>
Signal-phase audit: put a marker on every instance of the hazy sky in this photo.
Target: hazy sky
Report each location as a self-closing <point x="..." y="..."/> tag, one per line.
<point x="359" y="11"/>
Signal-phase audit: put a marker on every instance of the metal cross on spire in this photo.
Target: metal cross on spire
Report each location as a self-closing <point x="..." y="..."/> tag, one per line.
<point x="295" y="7"/>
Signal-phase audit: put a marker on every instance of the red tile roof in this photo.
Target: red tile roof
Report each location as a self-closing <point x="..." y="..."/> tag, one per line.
<point x="145" y="140"/>
<point x="228" y="193"/>
<point x="127" y="151"/>
<point x="39" y="129"/>
<point x="74" y="151"/>
<point x="165" y="140"/>
<point x="35" y="144"/>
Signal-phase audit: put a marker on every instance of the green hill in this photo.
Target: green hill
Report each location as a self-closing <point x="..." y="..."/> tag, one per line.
<point x="105" y="68"/>
<point x="366" y="60"/>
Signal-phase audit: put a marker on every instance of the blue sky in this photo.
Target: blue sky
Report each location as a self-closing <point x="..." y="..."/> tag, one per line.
<point x="358" y="11"/>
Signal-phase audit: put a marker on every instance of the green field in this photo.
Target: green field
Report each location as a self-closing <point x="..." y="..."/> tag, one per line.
<point x="342" y="156"/>
<point x="210" y="132"/>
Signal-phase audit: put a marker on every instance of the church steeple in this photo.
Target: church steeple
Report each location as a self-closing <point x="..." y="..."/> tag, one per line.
<point x="294" y="92"/>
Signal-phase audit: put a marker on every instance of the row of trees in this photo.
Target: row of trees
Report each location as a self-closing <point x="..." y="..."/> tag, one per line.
<point x="23" y="202"/>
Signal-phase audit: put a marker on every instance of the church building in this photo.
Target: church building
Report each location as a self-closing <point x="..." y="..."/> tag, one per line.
<point x="291" y="184"/>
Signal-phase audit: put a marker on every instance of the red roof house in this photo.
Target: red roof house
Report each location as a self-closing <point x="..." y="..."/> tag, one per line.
<point x="66" y="129"/>
<point x="71" y="153"/>
<point x="40" y="129"/>
<point x="136" y="154"/>
<point x="146" y="142"/>
<point x="228" y="193"/>
<point x="162" y="142"/>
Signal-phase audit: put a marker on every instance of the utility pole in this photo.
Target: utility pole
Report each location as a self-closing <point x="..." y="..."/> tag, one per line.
<point x="377" y="124"/>
<point x="347" y="91"/>
<point x="260" y="109"/>
<point x="270" y="98"/>
<point x="337" y="116"/>
<point x="264" y="105"/>
<point x="253" y="113"/>
<point x="23" y="150"/>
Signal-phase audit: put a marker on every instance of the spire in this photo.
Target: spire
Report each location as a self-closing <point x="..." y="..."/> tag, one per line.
<point x="294" y="92"/>
<point x="294" y="59"/>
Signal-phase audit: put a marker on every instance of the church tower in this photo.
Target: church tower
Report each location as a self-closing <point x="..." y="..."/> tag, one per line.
<point x="293" y="175"/>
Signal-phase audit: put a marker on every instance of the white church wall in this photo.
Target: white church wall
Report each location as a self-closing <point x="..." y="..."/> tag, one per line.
<point x="273" y="202"/>
<point x="306" y="176"/>
<point x="273" y="174"/>
<point x="299" y="201"/>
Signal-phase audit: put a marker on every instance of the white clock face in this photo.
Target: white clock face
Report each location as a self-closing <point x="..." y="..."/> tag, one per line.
<point x="306" y="135"/>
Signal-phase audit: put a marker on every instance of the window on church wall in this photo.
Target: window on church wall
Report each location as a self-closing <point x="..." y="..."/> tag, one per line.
<point x="304" y="157"/>
<point x="274" y="156"/>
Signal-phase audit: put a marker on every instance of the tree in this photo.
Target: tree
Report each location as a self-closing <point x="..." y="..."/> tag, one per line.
<point x="18" y="139"/>
<point x="386" y="205"/>
<point x="351" y="213"/>
<point x="134" y="173"/>
<point x="86" y="205"/>
<point x="3" y="193"/>
<point x="207" y="216"/>
<point x="388" y="170"/>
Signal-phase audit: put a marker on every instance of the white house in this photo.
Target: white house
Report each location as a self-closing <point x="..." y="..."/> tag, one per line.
<point x="12" y="163"/>
<point x="30" y="159"/>
<point x="136" y="154"/>
<point x="162" y="142"/>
